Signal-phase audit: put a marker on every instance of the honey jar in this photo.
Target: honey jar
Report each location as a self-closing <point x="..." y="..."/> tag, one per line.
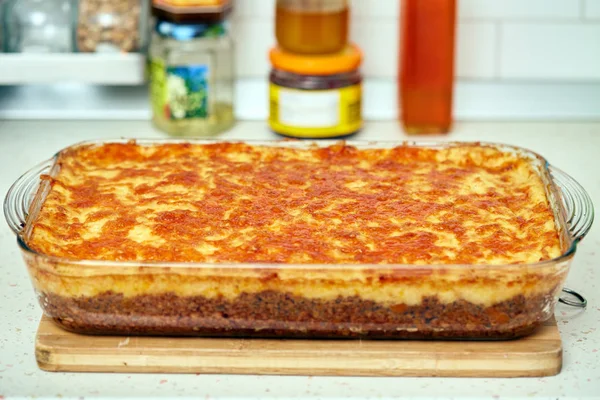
<point x="312" y="26"/>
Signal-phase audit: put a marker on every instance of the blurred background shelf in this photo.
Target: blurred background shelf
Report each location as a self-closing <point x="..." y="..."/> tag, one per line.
<point x="88" y="68"/>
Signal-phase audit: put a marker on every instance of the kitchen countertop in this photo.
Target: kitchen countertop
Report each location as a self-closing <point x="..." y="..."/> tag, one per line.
<point x="573" y="147"/>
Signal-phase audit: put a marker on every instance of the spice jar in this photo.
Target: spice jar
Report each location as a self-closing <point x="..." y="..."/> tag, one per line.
<point x="111" y="25"/>
<point x="191" y="78"/>
<point x="38" y="26"/>
<point x="312" y="26"/>
<point x="316" y="96"/>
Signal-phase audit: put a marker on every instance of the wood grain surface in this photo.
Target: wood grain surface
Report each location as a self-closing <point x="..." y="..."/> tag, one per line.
<point x="537" y="355"/>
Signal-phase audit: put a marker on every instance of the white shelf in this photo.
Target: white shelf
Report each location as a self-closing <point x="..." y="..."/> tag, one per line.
<point x="90" y="68"/>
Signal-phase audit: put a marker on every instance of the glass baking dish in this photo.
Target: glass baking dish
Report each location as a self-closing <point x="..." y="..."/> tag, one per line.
<point x="285" y="300"/>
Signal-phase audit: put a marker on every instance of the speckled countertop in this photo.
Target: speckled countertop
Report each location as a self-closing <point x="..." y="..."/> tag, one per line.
<point x="573" y="147"/>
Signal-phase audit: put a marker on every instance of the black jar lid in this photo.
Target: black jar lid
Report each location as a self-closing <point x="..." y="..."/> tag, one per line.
<point x="196" y="14"/>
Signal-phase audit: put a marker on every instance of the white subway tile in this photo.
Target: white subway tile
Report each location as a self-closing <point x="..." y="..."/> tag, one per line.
<point x="376" y="8"/>
<point x="476" y="50"/>
<point x="360" y="8"/>
<point x="253" y="8"/>
<point x="550" y="51"/>
<point x="592" y="9"/>
<point x="379" y="41"/>
<point x="519" y="9"/>
<point x="253" y="39"/>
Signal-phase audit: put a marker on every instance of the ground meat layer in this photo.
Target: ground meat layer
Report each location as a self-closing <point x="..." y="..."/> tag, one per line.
<point x="269" y="314"/>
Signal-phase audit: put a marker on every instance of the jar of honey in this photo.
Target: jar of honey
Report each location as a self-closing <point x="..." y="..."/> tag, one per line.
<point x="312" y="26"/>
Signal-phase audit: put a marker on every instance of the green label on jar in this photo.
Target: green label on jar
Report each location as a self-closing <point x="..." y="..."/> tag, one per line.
<point x="179" y="92"/>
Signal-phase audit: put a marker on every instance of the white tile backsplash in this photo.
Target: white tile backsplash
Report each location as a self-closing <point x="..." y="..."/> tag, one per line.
<point x="476" y="49"/>
<point x="253" y="39"/>
<point x="592" y="9"/>
<point x="378" y="40"/>
<point x="375" y="8"/>
<point x="497" y="39"/>
<point x="254" y="8"/>
<point x="550" y="52"/>
<point x="520" y="9"/>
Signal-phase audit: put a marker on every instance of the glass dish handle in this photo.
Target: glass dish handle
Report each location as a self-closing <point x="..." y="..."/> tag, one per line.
<point x="578" y="204"/>
<point x="580" y="216"/>
<point x="21" y="194"/>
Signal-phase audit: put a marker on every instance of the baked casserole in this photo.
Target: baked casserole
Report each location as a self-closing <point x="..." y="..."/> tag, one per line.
<point x="217" y="238"/>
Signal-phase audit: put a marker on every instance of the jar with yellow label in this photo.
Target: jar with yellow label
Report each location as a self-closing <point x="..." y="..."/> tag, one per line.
<point x="316" y="96"/>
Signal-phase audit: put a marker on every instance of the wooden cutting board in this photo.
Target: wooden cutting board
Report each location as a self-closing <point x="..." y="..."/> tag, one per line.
<point x="537" y="355"/>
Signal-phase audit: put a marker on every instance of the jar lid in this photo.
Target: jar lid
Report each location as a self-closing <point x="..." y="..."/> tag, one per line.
<point x="191" y="11"/>
<point x="346" y="60"/>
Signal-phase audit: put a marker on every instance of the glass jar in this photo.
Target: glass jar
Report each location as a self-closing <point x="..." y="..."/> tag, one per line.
<point x="191" y="78"/>
<point x="38" y="26"/>
<point x="112" y="25"/>
<point x="315" y="96"/>
<point x="312" y="26"/>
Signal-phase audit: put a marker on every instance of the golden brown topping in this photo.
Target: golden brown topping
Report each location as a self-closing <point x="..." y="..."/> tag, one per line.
<point x="233" y="202"/>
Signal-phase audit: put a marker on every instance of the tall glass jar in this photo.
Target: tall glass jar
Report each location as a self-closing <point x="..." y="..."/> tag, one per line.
<point x="112" y="25"/>
<point x="191" y="78"/>
<point x="38" y="26"/>
<point x="312" y="26"/>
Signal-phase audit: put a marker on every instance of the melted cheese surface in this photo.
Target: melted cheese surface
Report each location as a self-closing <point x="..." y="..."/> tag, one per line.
<point x="233" y="202"/>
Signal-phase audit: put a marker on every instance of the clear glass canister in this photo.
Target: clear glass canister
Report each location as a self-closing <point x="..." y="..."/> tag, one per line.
<point x="192" y="77"/>
<point x="112" y="25"/>
<point x="316" y="96"/>
<point x="312" y="26"/>
<point x="38" y="26"/>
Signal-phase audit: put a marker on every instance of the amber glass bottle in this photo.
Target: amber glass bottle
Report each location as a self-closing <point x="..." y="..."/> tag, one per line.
<point x="427" y="65"/>
<point x="312" y="26"/>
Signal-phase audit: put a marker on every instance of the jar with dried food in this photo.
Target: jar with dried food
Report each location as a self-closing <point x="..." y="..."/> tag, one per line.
<point x="38" y="26"/>
<point x="191" y="78"/>
<point x="112" y="25"/>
